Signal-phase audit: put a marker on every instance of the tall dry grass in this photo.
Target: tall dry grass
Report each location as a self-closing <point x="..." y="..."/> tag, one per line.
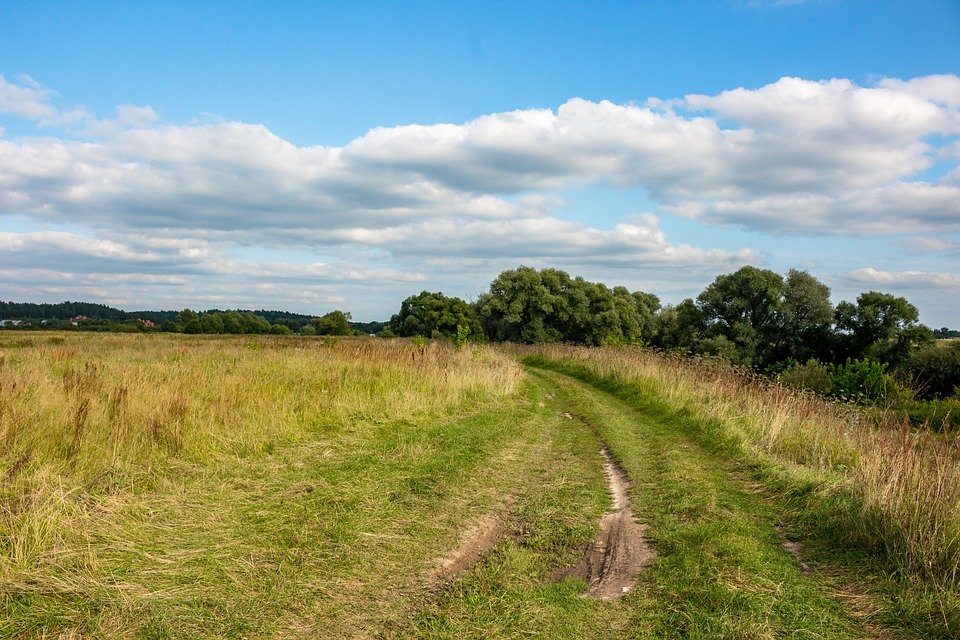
<point x="88" y="414"/>
<point x="905" y="483"/>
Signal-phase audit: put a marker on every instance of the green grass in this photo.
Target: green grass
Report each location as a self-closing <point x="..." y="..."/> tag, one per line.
<point x="718" y="514"/>
<point x="335" y="529"/>
<point x="307" y="537"/>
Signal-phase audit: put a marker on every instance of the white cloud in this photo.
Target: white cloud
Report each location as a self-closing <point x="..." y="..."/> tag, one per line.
<point x="26" y="99"/>
<point x="937" y="280"/>
<point x="929" y="245"/>
<point x="809" y="157"/>
<point x="793" y="157"/>
<point x="942" y="89"/>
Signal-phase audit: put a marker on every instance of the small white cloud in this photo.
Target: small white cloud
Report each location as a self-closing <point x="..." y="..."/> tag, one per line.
<point x="937" y="280"/>
<point x="25" y="100"/>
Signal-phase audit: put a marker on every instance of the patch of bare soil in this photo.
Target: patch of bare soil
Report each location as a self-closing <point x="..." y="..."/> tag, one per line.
<point x="796" y="550"/>
<point x="476" y="543"/>
<point x="615" y="558"/>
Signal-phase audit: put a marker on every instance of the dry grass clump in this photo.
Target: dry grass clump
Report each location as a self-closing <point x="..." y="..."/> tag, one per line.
<point x="87" y="414"/>
<point x="906" y="482"/>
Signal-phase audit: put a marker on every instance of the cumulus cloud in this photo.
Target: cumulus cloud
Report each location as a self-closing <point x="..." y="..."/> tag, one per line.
<point x="26" y="99"/>
<point x="797" y="156"/>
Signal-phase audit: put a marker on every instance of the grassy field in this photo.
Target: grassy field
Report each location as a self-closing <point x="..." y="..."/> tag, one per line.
<point x="158" y="486"/>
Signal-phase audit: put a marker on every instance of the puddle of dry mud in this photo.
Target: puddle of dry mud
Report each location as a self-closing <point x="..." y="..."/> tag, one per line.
<point x="619" y="553"/>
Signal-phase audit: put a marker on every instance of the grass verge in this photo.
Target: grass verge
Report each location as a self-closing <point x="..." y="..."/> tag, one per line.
<point x="815" y="506"/>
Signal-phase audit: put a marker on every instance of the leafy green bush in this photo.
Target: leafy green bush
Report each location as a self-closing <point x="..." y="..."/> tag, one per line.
<point x="866" y="381"/>
<point x="935" y="371"/>
<point x="812" y="376"/>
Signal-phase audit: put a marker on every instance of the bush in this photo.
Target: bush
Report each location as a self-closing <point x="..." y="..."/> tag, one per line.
<point x="812" y="376"/>
<point x="941" y="415"/>
<point x="934" y="371"/>
<point x="866" y="381"/>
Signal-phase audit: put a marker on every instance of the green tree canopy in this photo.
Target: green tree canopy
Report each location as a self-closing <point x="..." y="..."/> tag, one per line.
<point x="335" y="323"/>
<point x="745" y="308"/>
<point x="880" y="326"/>
<point x="435" y="315"/>
<point x="807" y="316"/>
<point x="531" y="306"/>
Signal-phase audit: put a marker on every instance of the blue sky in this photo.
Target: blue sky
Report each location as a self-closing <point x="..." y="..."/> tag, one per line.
<point x="311" y="156"/>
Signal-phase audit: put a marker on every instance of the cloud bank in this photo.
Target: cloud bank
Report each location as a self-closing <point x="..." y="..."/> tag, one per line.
<point x="132" y="194"/>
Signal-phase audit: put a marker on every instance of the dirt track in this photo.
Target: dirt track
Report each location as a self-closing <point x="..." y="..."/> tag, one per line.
<point x="620" y="551"/>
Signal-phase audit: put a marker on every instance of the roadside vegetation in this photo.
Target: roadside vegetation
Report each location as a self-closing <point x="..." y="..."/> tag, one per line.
<point x="796" y="465"/>
<point x="879" y="498"/>
<point x="872" y="351"/>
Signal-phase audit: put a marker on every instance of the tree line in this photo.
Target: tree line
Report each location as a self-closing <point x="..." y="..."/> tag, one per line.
<point x="870" y="349"/>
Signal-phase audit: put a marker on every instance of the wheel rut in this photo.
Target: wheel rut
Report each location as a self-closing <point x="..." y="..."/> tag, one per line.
<point x="612" y="562"/>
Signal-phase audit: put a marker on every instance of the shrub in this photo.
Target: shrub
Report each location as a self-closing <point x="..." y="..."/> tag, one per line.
<point x="866" y="381"/>
<point x="935" y="371"/>
<point x="812" y="376"/>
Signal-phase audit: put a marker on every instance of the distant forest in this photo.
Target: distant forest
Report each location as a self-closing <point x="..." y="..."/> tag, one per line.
<point x="100" y="317"/>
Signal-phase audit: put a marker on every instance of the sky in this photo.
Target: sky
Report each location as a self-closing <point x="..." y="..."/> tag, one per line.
<point x="312" y="156"/>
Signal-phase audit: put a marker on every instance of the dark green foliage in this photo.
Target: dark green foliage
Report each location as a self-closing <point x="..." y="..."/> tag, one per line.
<point x="880" y="326"/>
<point x="807" y="316"/>
<point x="935" y="371"/>
<point x="435" y="315"/>
<point x="370" y="328"/>
<point x="193" y="326"/>
<point x="944" y="332"/>
<point x="212" y="323"/>
<point x="335" y="323"/>
<point x="60" y="311"/>
<point x="680" y="327"/>
<point x="745" y="308"/>
<point x="530" y="306"/>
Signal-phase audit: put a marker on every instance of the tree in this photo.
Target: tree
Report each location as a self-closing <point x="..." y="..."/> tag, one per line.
<point x="252" y="323"/>
<point x="232" y="322"/>
<point x="211" y="323"/>
<point x="186" y="316"/>
<point x="193" y="326"/>
<point x="335" y="323"/>
<point x="935" y="371"/>
<point x="745" y="307"/>
<point x="680" y="328"/>
<point x="880" y="326"/>
<point x="526" y="305"/>
<point x="435" y="315"/>
<point x="807" y="318"/>
<point x="647" y="306"/>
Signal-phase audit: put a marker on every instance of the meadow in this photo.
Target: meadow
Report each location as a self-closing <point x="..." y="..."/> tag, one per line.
<point x="171" y="486"/>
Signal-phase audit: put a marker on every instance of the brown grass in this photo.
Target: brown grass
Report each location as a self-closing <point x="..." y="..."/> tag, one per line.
<point x="87" y="414"/>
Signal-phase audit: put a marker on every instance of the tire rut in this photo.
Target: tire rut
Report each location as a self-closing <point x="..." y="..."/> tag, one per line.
<point x="612" y="562"/>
